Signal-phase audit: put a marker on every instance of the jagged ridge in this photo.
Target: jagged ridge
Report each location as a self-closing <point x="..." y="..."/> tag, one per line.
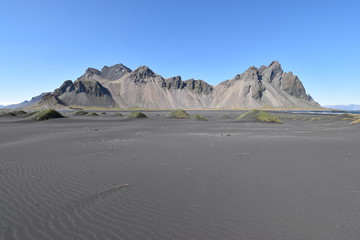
<point x="119" y="86"/>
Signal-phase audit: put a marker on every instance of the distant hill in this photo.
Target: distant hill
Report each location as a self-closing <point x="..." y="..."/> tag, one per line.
<point x="266" y="86"/>
<point x="344" y="107"/>
<point x="26" y="103"/>
<point x="2" y="106"/>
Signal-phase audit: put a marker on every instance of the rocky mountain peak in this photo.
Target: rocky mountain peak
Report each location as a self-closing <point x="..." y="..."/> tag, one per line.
<point x="251" y="73"/>
<point x="91" y="71"/>
<point x="272" y="71"/>
<point x="141" y="73"/>
<point x="255" y="88"/>
<point x="114" y="72"/>
<point x="275" y="64"/>
<point x="67" y="86"/>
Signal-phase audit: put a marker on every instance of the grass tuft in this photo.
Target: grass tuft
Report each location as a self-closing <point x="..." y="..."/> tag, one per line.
<point x="136" y="115"/>
<point x="179" y="113"/>
<point x="259" y="115"/>
<point x="314" y="119"/>
<point x="354" y="118"/>
<point x="224" y="116"/>
<point x="357" y="121"/>
<point x="47" y="114"/>
<point x="81" y="112"/>
<point x="14" y="113"/>
<point x="346" y="116"/>
<point x="93" y="114"/>
<point x="199" y="117"/>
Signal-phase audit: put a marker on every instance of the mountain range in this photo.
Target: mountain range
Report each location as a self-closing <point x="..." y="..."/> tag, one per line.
<point x="344" y="107"/>
<point x="26" y="103"/>
<point x="119" y="86"/>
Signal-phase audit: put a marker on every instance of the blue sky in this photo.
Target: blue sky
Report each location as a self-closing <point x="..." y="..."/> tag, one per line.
<point x="45" y="42"/>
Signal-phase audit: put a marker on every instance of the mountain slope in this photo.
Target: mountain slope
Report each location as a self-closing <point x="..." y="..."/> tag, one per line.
<point x="262" y="87"/>
<point x="142" y="88"/>
<point x="146" y="89"/>
<point x="26" y="104"/>
<point x="84" y="93"/>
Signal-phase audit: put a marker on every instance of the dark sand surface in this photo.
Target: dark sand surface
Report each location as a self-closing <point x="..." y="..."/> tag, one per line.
<point x="111" y="178"/>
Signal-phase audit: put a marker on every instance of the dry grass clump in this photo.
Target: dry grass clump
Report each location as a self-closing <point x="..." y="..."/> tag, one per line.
<point x="259" y="115"/>
<point x="47" y="114"/>
<point x="179" y="113"/>
<point x="267" y="117"/>
<point x="354" y="118"/>
<point x="356" y="121"/>
<point x="346" y="116"/>
<point x="224" y="116"/>
<point x="199" y="117"/>
<point x="136" y="115"/>
<point x="289" y="116"/>
<point x="81" y="112"/>
<point x="14" y="113"/>
<point x="118" y="115"/>
<point x="93" y="114"/>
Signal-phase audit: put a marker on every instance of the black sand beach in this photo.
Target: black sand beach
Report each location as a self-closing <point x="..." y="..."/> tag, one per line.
<point x="108" y="177"/>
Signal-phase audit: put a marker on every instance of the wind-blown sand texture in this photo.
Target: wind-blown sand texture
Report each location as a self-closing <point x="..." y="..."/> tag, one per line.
<point x="111" y="178"/>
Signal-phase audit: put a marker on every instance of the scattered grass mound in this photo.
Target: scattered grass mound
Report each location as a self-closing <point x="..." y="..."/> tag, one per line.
<point x="103" y="113"/>
<point x="14" y="113"/>
<point x="81" y="112"/>
<point x="19" y="112"/>
<point x="47" y="114"/>
<point x="258" y="115"/>
<point x="357" y="121"/>
<point x="118" y="115"/>
<point x="136" y="115"/>
<point x="354" y="118"/>
<point x="199" y="117"/>
<point x="93" y="114"/>
<point x="346" y="116"/>
<point x="314" y="119"/>
<point x="179" y="113"/>
<point x="224" y="116"/>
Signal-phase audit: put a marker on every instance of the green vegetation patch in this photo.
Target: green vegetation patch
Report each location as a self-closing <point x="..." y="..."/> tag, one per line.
<point x="118" y="115"/>
<point x="47" y="114"/>
<point x="93" y="114"/>
<point x="136" y="115"/>
<point x="199" y="117"/>
<point x="357" y="121"/>
<point x="347" y="116"/>
<point x="179" y="113"/>
<point x="14" y="113"/>
<point x="259" y="115"/>
<point x="354" y="118"/>
<point x="224" y="116"/>
<point x="314" y="119"/>
<point x="81" y="112"/>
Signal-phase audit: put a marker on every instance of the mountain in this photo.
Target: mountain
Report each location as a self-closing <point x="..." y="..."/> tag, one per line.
<point x="267" y="86"/>
<point x="263" y="87"/>
<point x="2" y="106"/>
<point x="26" y="104"/>
<point x="344" y="107"/>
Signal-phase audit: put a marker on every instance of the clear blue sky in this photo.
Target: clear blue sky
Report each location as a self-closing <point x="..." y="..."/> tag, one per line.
<point x="45" y="42"/>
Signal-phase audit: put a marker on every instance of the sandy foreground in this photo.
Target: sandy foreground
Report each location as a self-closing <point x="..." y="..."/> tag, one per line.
<point x="111" y="178"/>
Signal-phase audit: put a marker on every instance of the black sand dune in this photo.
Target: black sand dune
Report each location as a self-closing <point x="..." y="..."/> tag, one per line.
<point x="159" y="178"/>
